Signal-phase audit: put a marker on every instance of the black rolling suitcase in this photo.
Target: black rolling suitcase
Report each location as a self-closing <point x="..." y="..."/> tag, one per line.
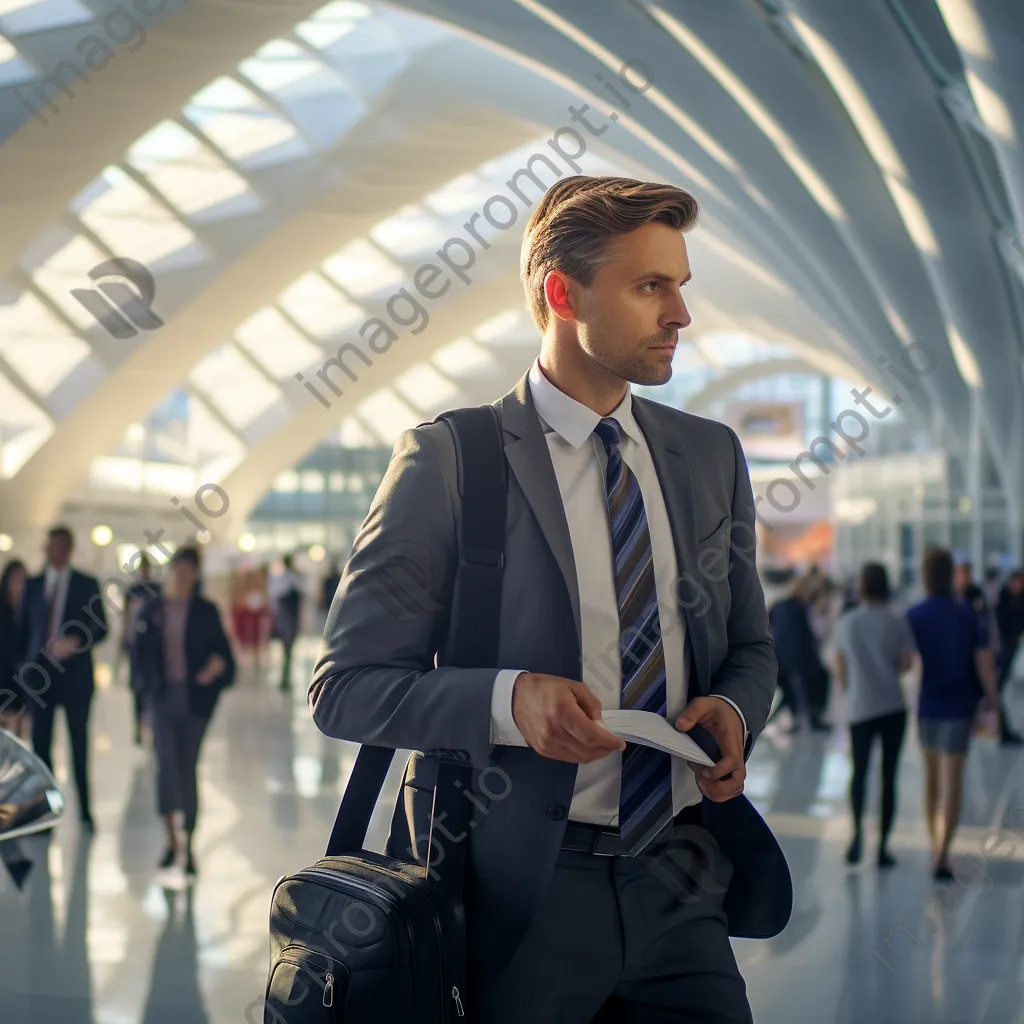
<point x="366" y="938"/>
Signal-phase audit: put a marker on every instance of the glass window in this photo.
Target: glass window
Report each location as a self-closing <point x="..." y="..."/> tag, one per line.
<point x="317" y="305"/>
<point x="128" y="219"/>
<point x="167" y="478"/>
<point x="312" y="481"/>
<point x="190" y="175"/>
<point x="511" y="322"/>
<point x="286" y="482"/>
<point x="409" y="232"/>
<point x="66" y="269"/>
<point x="243" y="127"/>
<point x="276" y="344"/>
<point x="424" y="387"/>
<point x="362" y="269"/>
<point x="331" y="22"/>
<point x="14" y="69"/>
<point x="25" y="16"/>
<point x="387" y="415"/>
<point x="39" y="347"/>
<point x="24" y="427"/>
<point x="115" y="473"/>
<point x="462" y="195"/>
<point x="235" y="387"/>
<point x="354" y="434"/>
<point x="464" y="357"/>
<point x="288" y="71"/>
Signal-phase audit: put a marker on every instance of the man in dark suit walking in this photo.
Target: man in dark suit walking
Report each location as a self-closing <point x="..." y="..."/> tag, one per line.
<point x="629" y="583"/>
<point x="63" y="619"/>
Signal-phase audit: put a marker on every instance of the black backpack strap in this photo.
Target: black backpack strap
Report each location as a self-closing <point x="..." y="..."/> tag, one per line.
<point x="476" y="602"/>
<point x="472" y="642"/>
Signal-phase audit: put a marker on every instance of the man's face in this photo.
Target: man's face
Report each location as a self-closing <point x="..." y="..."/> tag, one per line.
<point x="962" y="577"/>
<point x="58" y="550"/>
<point x="628" y="320"/>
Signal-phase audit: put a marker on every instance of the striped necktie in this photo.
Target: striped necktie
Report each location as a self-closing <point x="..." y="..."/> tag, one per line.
<point x="645" y="796"/>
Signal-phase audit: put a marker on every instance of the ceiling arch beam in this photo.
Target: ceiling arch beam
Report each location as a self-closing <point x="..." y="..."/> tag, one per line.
<point x="720" y="142"/>
<point x="384" y="167"/>
<point x="890" y="97"/>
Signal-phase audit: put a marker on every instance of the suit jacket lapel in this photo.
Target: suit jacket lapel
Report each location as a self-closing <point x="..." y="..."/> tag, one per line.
<point x="671" y="459"/>
<point x="530" y="462"/>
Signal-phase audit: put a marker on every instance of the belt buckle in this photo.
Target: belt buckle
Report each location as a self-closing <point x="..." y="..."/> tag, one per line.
<point x="595" y="839"/>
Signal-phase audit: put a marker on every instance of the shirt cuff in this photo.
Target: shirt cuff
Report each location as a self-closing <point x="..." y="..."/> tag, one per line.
<point x="738" y="712"/>
<point x="504" y="731"/>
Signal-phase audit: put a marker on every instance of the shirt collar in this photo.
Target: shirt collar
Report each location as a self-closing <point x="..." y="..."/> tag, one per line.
<point x="571" y="420"/>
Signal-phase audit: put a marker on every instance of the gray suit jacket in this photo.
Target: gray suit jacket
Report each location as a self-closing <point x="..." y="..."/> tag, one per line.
<point x="378" y="679"/>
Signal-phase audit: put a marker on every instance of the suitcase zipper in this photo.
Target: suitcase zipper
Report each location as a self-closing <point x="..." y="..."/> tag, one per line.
<point x="365" y="887"/>
<point x="329" y="990"/>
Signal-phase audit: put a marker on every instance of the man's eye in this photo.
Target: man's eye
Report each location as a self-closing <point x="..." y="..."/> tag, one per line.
<point x="650" y="284"/>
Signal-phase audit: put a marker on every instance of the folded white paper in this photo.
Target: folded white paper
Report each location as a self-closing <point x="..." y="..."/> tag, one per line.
<point x="653" y="731"/>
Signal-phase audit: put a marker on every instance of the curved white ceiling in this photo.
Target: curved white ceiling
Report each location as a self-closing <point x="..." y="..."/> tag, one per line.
<point x="847" y="187"/>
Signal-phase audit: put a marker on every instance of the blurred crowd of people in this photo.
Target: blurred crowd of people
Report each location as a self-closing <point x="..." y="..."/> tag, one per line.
<point x="957" y="639"/>
<point x="960" y="640"/>
<point x="179" y="654"/>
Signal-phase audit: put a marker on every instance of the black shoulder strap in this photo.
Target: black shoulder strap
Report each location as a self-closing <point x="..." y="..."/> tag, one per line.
<point x="476" y="604"/>
<point x="483" y="482"/>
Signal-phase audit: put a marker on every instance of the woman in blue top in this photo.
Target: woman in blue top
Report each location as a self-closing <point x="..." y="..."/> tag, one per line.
<point x="951" y="649"/>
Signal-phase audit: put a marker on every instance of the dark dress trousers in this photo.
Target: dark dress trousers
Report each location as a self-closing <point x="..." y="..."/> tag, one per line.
<point x="50" y="682"/>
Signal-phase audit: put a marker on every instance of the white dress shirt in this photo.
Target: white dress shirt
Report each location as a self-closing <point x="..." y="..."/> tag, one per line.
<point x="55" y="589"/>
<point x="579" y="461"/>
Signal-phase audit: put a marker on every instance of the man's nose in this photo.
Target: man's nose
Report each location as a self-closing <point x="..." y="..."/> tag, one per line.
<point x="677" y="316"/>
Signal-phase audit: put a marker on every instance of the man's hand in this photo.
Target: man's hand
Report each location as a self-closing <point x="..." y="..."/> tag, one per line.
<point x="723" y="780"/>
<point x="209" y="672"/>
<point x="561" y="719"/>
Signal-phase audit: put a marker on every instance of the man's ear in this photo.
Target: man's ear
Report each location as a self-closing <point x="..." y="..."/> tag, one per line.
<point x="558" y="290"/>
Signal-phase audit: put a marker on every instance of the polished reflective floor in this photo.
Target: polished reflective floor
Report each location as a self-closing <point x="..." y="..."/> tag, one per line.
<point x="101" y="935"/>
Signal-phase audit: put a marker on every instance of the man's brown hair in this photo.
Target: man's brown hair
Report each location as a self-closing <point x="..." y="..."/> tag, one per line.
<point x="937" y="572"/>
<point x="577" y="218"/>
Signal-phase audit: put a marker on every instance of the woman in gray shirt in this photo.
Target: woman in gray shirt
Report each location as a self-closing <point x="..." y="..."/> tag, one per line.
<point x="872" y="646"/>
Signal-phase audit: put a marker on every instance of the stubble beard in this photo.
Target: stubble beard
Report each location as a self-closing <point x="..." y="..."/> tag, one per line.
<point x="640" y="366"/>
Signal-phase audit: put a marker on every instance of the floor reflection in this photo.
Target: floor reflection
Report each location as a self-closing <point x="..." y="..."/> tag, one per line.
<point x="101" y="936"/>
<point x="174" y="994"/>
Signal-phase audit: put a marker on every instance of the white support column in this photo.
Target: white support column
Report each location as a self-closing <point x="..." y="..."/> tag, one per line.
<point x="975" y="482"/>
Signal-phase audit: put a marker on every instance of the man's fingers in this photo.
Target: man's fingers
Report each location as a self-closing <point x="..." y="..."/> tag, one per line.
<point x="729" y="765"/>
<point x="586" y="699"/>
<point x="721" y="789"/>
<point x="588" y="732"/>
<point x="564" y="747"/>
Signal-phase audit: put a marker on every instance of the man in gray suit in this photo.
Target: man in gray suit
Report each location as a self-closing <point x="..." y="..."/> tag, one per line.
<point x="629" y="582"/>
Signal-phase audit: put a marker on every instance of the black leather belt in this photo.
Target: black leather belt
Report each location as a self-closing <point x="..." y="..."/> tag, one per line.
<point x="582" y="837"/>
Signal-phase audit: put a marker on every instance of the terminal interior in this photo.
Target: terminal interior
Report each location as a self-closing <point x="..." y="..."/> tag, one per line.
<point x="215" y="324"/>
